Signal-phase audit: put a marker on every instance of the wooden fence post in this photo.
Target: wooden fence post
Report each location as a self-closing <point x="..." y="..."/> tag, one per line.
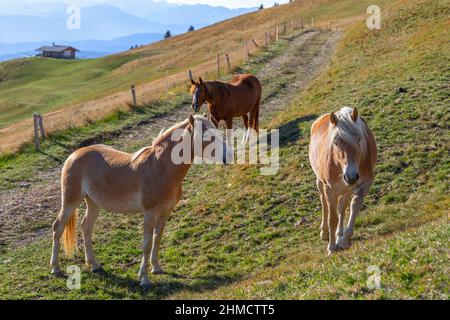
<point x="133" y="95"/>
<point x="330" y="25"/>
<point x="36" y="132"/>
<point x="285" y="29"/>
<point x="312" y="23"/>
<point x="265" y="39"/>
<point x="254" y="42"/>
<point x="41" y="126"/>
<point x="303" y="26"/>
<point x="277" y="36"/>
<point x="228" y="63"/>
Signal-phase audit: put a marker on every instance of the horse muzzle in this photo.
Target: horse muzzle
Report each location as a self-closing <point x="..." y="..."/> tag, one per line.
<point x="351" y="179"/>
<point x="196" y="108"/>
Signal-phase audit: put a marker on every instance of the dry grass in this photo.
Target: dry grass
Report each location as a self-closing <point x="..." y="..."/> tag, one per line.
<point x="161" y="68"/>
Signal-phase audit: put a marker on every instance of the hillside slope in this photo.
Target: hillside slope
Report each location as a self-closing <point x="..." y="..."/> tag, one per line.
<point x="89" y="90"/>
<point x="398" y="77"/>
<point x="237" y="234"/>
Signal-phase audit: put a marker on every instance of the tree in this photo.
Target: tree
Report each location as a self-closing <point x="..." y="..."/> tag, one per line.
<point x="191" y="28"/>
<point x="261" y="7"/>
<point x="167" y="34"/>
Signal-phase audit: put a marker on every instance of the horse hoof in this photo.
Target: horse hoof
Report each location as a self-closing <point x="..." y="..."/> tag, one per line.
<point x="57" y="273"/>
<point x="99" y="271"/>
<point x="158" y="270"/>
<point x="332" y="250"/>
<point x="145" y="285"/>
<point x="343" y="244"/>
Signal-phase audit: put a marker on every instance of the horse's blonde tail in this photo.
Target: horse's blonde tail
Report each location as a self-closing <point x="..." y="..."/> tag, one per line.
<point x="69" y="237"/>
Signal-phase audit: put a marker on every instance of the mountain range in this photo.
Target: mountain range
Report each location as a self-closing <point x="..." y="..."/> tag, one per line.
<point x="104" y="28"/>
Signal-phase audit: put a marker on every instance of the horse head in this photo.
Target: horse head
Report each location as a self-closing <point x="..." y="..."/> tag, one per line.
<point x="208" y="140"/>
<point x="198" y="92"/>
<point x="349" y="142"/>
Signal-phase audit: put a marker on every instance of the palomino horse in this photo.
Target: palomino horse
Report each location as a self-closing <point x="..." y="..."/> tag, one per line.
<point x="343" y="154"/>
<point x="148" y="181"/>
<point x="239" y="98"/>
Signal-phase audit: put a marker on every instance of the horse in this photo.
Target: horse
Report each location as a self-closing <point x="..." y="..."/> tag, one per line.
<point x="147" y="181"/>
<point x="343" y="155"/>
<point x="241" y="97"/>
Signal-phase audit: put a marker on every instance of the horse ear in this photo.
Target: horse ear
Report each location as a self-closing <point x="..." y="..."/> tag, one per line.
<point x="193" y="82"/>
<point x="200" y="80"/>
<point x="333" y="118"/>
<point x="192" y="120"/>
<point x="355" y="114"/>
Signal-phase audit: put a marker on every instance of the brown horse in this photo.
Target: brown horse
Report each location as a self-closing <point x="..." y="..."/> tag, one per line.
<point x="148" y="181"/>
<point x="343" y="154"/>
<point x="239" y="98"/>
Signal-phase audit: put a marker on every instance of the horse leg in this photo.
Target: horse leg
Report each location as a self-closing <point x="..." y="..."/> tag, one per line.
<point x="331" y="199"/>
<point x="245" y="137"/>
<point x="324" y="230"/>
<point x="343" y="204"/>
<point x="150" y="218"/>
<point x="229" y="125"/>
<point x="253" y="122"/>
<point x="159" y="229"/>
<point x="215" y="120"/>
<point x="355" y="208"/>
<point x="87" y="225"/>
<point x="67" y="210"/>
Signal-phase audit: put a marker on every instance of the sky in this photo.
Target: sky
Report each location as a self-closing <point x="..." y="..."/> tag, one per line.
<point x="225" y="3"/>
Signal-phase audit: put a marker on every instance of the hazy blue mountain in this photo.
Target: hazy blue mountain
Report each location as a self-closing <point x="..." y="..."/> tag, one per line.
<point x="25" y="26"/>
<point x="140" y="8"/>
<point x="100" y="22"/>
<point x="195" y="14"/>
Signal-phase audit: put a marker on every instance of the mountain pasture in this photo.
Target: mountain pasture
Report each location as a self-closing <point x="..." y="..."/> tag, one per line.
<point x="239" y="235"/>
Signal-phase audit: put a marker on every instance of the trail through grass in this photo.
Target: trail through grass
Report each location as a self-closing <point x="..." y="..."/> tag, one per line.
<point x="237" y="234"/>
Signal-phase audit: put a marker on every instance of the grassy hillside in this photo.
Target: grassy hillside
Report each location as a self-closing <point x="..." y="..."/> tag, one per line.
<point x="237" y="234"/>
<point x="45" y="85"/>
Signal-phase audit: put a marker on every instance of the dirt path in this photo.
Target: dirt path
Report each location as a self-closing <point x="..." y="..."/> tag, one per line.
<point x="27" y="212"/>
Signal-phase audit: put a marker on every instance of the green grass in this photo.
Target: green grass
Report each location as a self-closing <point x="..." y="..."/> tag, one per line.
<point x="23" y="165"/>
<point x="234" y="233"/>
<point x="44" y="85"/>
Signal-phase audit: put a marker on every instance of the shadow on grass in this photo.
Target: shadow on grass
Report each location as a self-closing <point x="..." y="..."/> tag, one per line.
<point x="290" y="131"/>
<point x="54" y="158"/>
<point x="162" y="286"/>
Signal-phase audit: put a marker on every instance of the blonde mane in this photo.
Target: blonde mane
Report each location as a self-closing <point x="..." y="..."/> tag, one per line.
<point x="353" y="132"/>
<point x="167" y="134"/>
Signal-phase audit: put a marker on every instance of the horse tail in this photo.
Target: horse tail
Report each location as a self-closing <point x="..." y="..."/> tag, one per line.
<point x="69" y="237"/>
<point x="255" y="124"/>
